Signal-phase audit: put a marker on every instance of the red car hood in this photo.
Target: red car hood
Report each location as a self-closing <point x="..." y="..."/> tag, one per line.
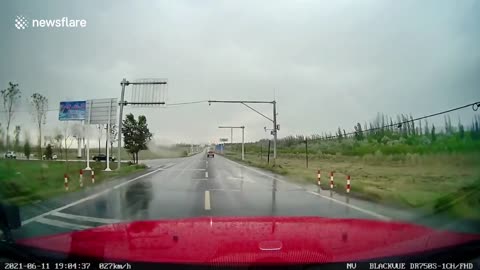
<point x="250" y="240"/>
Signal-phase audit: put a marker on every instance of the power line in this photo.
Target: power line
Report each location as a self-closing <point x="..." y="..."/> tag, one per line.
<point x="475" y="106"/>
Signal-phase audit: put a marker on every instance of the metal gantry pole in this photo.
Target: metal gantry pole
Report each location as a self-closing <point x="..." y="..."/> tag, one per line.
<point x="243" y="143"/>
<point x="108" y="136"/>
<point x="274" y="131"/>
<point x="90" y="102"/>
<point x="122" y="97"/>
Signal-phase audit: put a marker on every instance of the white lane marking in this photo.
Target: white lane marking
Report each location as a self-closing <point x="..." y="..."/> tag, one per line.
<point x="62" y="224"/>
<point x="85" y="218"/>
<point x="207" y="200"/>
<point x="206" y="174"/>
<point x="371" y="213"/>
<point x="84" y="199"/>
<point x="200" y="179"/>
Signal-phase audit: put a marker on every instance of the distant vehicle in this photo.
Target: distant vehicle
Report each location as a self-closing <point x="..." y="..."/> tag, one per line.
<point x="101" y="157"/>
<point x="11" y="155"/>
<point x="210" y="153"/>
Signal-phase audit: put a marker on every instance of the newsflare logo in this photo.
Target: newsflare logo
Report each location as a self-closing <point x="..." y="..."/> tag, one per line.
<point x="22" y="22"/>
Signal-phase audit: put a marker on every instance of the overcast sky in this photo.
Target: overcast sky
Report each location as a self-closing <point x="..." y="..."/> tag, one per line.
<point x="331" y="63"/>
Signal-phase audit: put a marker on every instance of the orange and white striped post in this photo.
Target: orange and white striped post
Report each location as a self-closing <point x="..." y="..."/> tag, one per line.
<point x="318" y="177"/>
<point x="331" y="179"/>
<point x="93" y="177"/>
<point x="348" y="183"/>
<point x="65" y="178"/>
<point x="80" y="180"/>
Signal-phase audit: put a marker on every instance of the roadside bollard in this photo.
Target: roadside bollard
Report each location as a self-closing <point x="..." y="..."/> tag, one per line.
<point x="348" y="183"/>
<point x="80" y="180"/>
<point x="318" y="177"/>
<point x="65" y="178"/>
<point x="331" y="179"/>
<point x="93" y="177"/>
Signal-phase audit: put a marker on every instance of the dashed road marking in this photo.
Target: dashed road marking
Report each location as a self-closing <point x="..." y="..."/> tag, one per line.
<point x="207" y="200"/>
<point x="206" y="174"/>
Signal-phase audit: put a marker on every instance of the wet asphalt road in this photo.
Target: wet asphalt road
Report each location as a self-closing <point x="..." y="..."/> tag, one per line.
<point x="191" y="187"/>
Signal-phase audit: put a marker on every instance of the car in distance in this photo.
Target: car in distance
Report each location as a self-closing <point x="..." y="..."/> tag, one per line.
<point x="210" y="153"/>
<point x="101" y="157"/>
<point x="10" y="154"/>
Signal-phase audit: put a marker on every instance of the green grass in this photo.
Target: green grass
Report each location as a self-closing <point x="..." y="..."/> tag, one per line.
<point x="23" y="182"/>
<point x="428" y="182"/>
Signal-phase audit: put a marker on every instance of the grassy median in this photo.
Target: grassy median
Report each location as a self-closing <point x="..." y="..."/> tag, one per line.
<point x="23" y="182"/>
<point x="448" y="183"/>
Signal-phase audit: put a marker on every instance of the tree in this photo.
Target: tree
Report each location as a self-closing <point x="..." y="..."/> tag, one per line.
<point x="358" y="132"/>
<point x="427" y="130"/>
<point x="58" y="137"/>
<point x="461" y="130"/>
<point x="434" y="136"/>
<point x="2" y="143"/>
<point x="136" y="135"/>
<point x="27" y="150"/>
<point x="69" y="134"/>
<point x="339" y="133"/>
<point x="113" y="136"/>
<point x="48" y="152"/>
<point x="10" y="96"/>
<point x="16" y="144"/>
<point x="39" y="111"/>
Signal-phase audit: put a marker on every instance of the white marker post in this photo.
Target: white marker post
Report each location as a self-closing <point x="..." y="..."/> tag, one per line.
<point x="108" y="137"/>
<point x="87" y="135"/>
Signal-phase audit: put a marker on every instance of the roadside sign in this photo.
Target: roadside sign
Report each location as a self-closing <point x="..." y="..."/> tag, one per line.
<point x="101" y="111"/>
<point x="72" y="110"/>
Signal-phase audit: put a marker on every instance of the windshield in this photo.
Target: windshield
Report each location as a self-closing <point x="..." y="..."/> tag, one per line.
<point x="245" y="127"/>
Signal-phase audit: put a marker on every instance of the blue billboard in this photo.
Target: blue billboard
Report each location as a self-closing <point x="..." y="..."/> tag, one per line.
<point x="72" y="110"/>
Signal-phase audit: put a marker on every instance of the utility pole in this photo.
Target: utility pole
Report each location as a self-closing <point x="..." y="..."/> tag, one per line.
<point x="276" y="127"/>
